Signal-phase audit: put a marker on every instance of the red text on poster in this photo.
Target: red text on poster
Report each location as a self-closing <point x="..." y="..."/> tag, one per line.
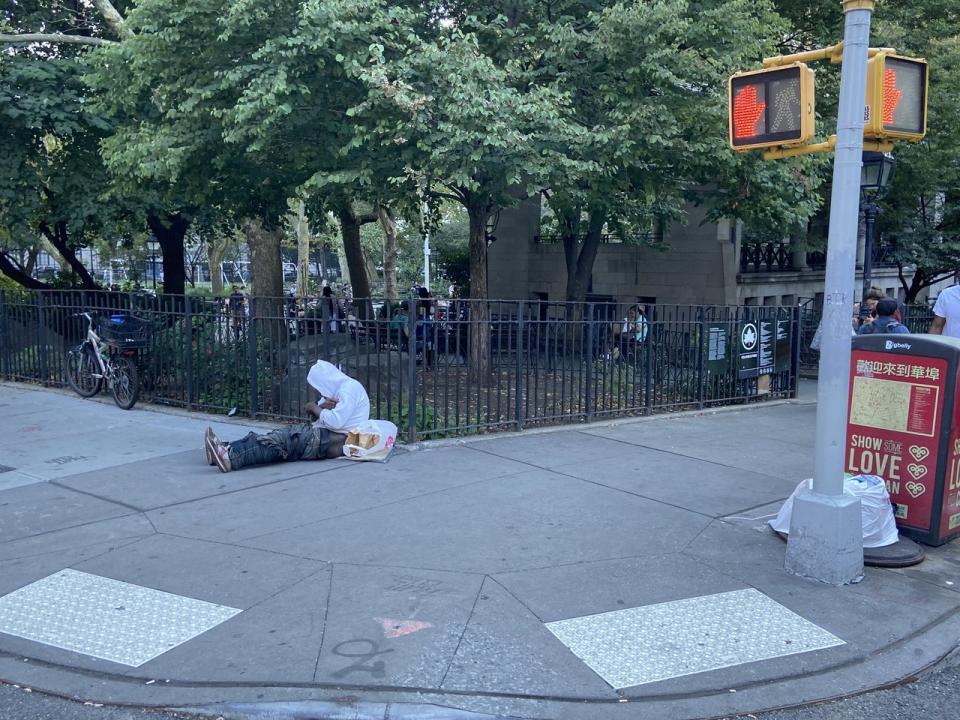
<point x="896" y="404"/>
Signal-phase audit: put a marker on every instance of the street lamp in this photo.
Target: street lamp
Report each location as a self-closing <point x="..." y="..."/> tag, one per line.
<point x="153" y="245"/>
<point x="488" y="235"/>
<point x="875" y="175"/>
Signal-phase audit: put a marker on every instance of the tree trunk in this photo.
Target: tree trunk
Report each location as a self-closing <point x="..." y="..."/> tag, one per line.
<point x="350" y="224"/>
<point x="52" y="251"/>
<point x="798" y="248"/>
<point x="216" y="248"/>
<point x="114" y="19"/>
<point x="580" y="256"/>
<point x="192" y="262"/>
<point x="266" y="266"/>
<point x="302" y="230"/>
<point x="32" y="255"/>
<point x="389" y="253"/>
<point x="170" y="231"/>
<point x="479" y="213"/>
<point x="583" y="258"/>
<point x="9" y="268"/>
<point x="60" y="239"/>
<point x="31" y="38"/>
<point x="918" y="282"/>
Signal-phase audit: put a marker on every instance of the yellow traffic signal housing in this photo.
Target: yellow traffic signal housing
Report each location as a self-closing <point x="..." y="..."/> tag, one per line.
<point x="896" y="105"/>
<point x="771" y="107"/>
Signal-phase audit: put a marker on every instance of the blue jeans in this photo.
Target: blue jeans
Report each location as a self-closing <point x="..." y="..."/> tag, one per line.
<point x="286" y="444"/>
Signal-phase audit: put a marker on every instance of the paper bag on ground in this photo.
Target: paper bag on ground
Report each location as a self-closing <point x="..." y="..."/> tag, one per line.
<point x="371" y="440"/>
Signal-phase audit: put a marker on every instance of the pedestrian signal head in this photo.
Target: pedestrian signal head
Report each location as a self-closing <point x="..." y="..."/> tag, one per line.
<point x="771" y="107"/>
<point x="896" y="106"/>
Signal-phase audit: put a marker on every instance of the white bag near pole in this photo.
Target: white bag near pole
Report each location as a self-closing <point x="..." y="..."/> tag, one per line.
<point x="879" y="525"/>
<point x="370" y="440"/>
<point x="817" y="337"/>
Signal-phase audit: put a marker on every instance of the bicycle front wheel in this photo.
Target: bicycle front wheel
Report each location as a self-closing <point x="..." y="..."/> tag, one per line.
<point x="125" y="386"/>
<point x="82" y="370"/>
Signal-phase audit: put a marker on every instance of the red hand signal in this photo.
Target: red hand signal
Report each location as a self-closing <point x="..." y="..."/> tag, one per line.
<point x="746" y="112"/>
<point x="891" y="95"/>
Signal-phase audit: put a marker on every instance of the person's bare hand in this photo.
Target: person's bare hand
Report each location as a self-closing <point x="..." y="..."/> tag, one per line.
<point x="328" y="404"/>
<point x="313" y="409"/>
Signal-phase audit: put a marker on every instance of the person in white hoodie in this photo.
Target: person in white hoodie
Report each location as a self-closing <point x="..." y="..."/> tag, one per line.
<point x="341" y="406"/>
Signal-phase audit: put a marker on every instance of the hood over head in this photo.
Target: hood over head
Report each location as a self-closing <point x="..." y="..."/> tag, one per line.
<point x="325" y="378"/>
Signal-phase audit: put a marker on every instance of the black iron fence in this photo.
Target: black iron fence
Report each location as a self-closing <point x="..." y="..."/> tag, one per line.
<point x="441" y="369"/>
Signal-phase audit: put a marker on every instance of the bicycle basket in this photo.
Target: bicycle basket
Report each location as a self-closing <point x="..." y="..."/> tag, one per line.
<point x="123" y="331"/>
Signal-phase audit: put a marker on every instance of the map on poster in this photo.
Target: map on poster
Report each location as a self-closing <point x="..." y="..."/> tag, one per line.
<point x="894" y="405"/>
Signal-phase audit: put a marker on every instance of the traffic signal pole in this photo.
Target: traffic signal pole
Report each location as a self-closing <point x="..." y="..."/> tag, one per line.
<point x="826" y="537"/>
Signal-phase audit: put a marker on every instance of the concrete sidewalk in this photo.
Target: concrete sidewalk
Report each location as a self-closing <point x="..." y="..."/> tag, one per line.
<point x="616" y="570"/>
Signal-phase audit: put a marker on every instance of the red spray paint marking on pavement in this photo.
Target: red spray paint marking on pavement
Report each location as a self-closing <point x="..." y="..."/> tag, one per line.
<point x="399" y="628"/>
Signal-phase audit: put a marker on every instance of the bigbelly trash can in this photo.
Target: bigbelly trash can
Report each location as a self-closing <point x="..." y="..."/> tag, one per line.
<point x="903" y="424"/>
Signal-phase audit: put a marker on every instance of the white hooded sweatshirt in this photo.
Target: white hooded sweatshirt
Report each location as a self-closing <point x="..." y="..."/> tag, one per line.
<point x="353" y="405"/>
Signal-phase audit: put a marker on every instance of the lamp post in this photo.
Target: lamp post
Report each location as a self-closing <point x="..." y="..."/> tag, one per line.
<point x="153" y="245"/>
<point x="426" y="243"/>
<point x="826" y="530"/>
<point x="875" y="175"/>
<point x="489" y="228"/>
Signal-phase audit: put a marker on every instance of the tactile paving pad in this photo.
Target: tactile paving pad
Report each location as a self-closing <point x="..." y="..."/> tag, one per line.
<point x="657" y="642"/>
<point x="105" y="618"/>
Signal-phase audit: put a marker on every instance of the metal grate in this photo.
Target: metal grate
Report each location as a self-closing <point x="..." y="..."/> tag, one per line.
<point x="672" y="639"/>
<point x="105" y="618"/>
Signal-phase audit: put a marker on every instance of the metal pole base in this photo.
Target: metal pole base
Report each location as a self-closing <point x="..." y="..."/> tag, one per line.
<point x="826" y="538"/>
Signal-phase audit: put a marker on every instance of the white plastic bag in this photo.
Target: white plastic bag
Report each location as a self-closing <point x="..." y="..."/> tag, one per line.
<point x="817" y="337"/>
<point x="879" y="525"/>
<point x="370" y="440"/>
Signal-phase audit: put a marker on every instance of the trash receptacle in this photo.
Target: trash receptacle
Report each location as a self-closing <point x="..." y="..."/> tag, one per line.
<point x="903" y="424"/>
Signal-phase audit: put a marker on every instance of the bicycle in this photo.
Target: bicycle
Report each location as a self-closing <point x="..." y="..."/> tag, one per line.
<point x="107" y="356"/>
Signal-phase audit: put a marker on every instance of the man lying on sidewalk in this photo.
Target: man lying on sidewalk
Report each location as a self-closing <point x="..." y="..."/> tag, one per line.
<point x="343" y="404"/>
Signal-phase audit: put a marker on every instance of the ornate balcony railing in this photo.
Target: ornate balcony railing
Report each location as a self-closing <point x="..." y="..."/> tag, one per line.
<point x="772" y="256"/>
<point x="765" y="257"/>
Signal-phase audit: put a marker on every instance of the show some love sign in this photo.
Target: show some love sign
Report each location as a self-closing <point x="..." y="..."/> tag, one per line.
<point x="896" y="406"/>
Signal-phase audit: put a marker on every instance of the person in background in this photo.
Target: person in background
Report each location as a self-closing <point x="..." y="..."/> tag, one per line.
<point x="946" y="311"/>
<point x="328" y="308"/>
<point x="424" y="303"/>
<point x="425" y="325"/>
<point x="237" y="303"/>
<point x="633" y="329"/>
<point x="886" y="319"/>
<point x="341" y="406"/>
<point x="865" y="312"/>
